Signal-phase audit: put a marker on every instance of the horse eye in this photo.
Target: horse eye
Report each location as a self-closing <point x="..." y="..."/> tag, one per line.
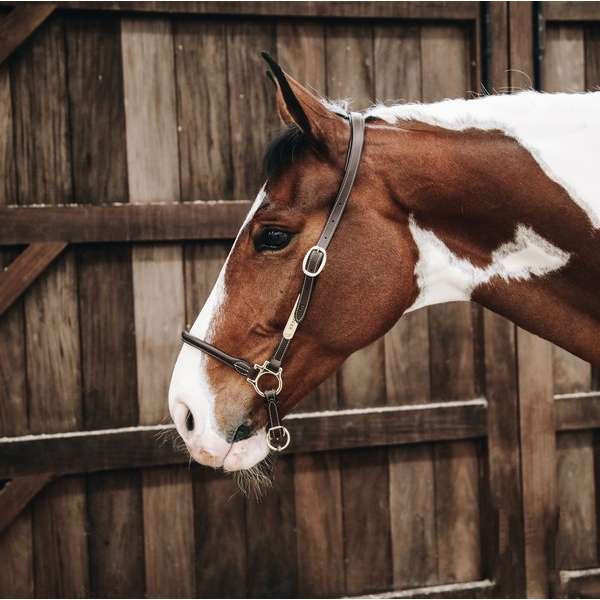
<point x="272" y="239"/>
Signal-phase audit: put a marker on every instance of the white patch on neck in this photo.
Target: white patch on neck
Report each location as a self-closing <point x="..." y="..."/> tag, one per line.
<point x="189" y="382"/>
<point x="560" y="131"/>
<point x="442" y="276"/>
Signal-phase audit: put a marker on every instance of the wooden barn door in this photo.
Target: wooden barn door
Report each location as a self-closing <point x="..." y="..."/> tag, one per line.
<point x="429" y="464"/>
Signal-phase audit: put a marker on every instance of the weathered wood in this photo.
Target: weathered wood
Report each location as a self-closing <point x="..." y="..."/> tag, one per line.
<point x="400" y="10"/>
<point x="592" y="58"/>
<point x="85" y="452"/>
<point x="520" y="21"/>
<point x="42" y="158"/>
<point x="398" y="75"/>
<point x="365" y="492"/>
<point x="502" y="521"/>
<point x="153" y="175"/>
<point x="19" y="24"/>
<point x="105" y="301"/>
<point x="25" y="269"/>
<point x="317" y="480"/>
<point x="272" y="550"/>
<point x="446" y="67"/>
<point x="16" y="494"/>
<point x="571" y="11"/>
<point x="205" y="167"/>
<point x="15" y="543"/>
<point x="471" y="589"/>
<point x="538" y="456"/>
<point x="578" y="411"/>
<point x="121" y="223"/>
<point x="584" y="583"/>
<point x="563" y="66"/>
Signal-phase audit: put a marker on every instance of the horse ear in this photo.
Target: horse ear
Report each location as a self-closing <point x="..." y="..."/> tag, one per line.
<point x="297" y="105"/>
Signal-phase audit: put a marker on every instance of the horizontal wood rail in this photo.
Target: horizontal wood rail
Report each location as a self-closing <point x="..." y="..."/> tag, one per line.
<point x="571" y="11"/>
<point x="131" y="447"/>
<point x="468" y="589"/>
<point x="356" y="10"/>
<point x="80" y="223"/>
<point x="584" y="583"/>
<point x="145" y="446"/>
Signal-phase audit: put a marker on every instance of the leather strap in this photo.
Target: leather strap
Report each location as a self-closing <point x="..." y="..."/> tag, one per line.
<point x="312" y="266"/>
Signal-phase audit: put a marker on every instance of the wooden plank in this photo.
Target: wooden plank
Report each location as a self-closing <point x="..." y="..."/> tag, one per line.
<point x="272" y="570"/>
<point x="538" y="456"/>
<point x="16" y="494"/>
<point x="472" y="589"/>
<point x="563" y="67"/>
<point x="365" y="491"/>
<point x="502" y="522"/>
<point x="581" y="583"/>
<point x="25" y="269"/>
<point x="401" y="10"/>
<point x="573" y="412"/>
<point x="205" y="167"/>
<point x="19" y="24"/>
<point x="520" y="20"/>
<point x="42" y="158"/>
<point x="397" y="58"/>
<point x="592" y="58"/>
<point x="571" y="11"/>
<point x="446" y="67"/>
<point x="15" y="543"/>
<point x="89" y="451"/>
<point x="106" y="309"/>
<point x="153" y="175"/>
<point x="122" y="223"/>
<point x="317" y="481"/>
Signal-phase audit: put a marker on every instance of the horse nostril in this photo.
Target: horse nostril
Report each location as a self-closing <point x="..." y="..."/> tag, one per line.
<point x="189" y="421"/>
<point x="242" y="432"/>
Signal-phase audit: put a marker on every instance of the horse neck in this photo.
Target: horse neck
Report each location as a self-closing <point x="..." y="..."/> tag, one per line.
<point x="492" y="227"/>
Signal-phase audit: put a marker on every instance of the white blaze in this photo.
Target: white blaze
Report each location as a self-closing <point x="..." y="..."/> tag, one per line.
<point x="191" y="389"/>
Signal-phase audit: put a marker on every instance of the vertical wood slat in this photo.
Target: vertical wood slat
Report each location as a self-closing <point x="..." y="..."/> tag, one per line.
<point x="564" y="70"/>
<point x="16" y="547"/>
<point x="317" y="481"/>
<point x="51" y="327"/>
<point x="153" y="172"/>
<point x="445" y="60"/>
<point x="205" y="163"/>
<point x="271" y="543"/>
<point x="365" y="476"/>
<point x="398" y="74"/>
<point x="99" y="165"/>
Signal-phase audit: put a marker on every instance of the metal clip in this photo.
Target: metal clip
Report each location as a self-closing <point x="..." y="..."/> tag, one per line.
<point x="320" y="267"/>
<point x="262" y="371"/>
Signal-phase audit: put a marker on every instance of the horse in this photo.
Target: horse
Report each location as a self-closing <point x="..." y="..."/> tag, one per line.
<point x="492" y="199"/>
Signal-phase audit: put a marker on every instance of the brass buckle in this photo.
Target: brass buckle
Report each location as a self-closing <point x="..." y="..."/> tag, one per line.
<point x="264" y="370"/>
<point x="320" y="267"/>
<point x="286" y="436"/>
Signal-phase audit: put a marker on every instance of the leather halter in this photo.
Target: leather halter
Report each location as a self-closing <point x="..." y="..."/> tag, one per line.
<point x="278" y="437"/>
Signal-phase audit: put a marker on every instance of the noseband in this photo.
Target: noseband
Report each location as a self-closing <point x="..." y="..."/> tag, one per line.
<point x="269" y="375"/>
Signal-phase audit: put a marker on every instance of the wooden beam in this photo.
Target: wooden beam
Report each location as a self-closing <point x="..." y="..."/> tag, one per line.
<point x="25" y="269"/>
<point x="358" y="10"/>
<point x="79" y="223"/>
<point x="131" y="447"/>
<point x="571" y="11"/>
<point x="468" y="589"/>
<point x="576" y="412"/>
<point x="19" y="24"/>
<point x="17" y="493"/>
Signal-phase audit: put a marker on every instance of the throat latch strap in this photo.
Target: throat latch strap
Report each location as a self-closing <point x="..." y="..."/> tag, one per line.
<point x="269" y="375"/>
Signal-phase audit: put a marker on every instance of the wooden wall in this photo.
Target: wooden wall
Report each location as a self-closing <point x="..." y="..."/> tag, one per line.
<point x="101" y="107"/>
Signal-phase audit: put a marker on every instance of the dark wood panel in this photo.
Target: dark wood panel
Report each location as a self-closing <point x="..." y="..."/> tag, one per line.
<point x="583" y="583"/>
<point x="19" y="24"/>
<point x="16" y="494"/>
<point x="471" y="589"/>
<point x="143" y="222"/>
<point x="403" y="10"/>
<point x="571" y="11"/>
<point x="311" y="432"/>
<point x="43" y="163"/>
<point x="109" y="382"/>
